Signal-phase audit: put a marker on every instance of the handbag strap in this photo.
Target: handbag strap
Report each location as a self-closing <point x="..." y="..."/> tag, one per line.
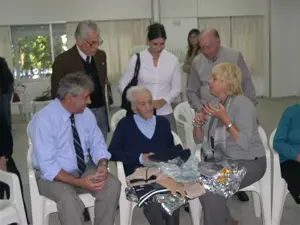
<point x="137" y="66"/>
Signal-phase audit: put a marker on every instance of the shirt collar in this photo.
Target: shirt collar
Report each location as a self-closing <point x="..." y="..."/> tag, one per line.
<point x="138" y="118"/>
<point x="65" y="114"/>
<point x="82" y="54"/>
<point x="217" y="56"/>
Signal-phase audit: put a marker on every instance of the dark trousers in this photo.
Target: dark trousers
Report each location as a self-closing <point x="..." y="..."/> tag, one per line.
<point x="156" y="215"/>
<point x="290" y="172"/>
<point x="5" y="104"/>
<point x="4" y="188"/>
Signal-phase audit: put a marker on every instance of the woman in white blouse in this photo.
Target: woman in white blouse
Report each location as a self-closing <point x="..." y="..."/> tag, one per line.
<point x="159" y="72"/>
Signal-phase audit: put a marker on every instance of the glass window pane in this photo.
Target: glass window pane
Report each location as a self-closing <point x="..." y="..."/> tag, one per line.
<point x="59" y="38"/>
<point x="32" y="50"/>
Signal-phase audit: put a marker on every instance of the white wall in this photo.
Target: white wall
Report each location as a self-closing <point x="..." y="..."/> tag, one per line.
<point x="208" y="8"/>
<point x="44" y="11"/>
<point x="285" y="36"/>
<point x="180" y="16"/>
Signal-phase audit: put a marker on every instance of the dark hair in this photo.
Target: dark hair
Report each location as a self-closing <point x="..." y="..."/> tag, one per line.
<point x="190" y="47"/>
<point x="156" y="30"/>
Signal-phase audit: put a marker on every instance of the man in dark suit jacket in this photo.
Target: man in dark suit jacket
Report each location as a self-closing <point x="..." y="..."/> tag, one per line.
<point x="6" y="91"/>
<point x="85" y="56"/>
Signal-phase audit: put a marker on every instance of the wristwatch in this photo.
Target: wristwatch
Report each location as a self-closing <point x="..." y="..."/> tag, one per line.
<point x="103" y="162"/>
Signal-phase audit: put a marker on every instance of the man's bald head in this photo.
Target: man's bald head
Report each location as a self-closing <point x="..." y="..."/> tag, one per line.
<point x="210" y="43"/>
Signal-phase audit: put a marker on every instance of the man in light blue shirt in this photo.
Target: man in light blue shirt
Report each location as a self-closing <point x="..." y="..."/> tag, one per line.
<point x="70" y="154"/>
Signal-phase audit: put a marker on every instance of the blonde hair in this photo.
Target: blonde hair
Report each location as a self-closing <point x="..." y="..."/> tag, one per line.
<point x="231" y="75"/>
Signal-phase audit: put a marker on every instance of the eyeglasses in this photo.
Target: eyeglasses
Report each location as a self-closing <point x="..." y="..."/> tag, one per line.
<point x="95" y="43"/>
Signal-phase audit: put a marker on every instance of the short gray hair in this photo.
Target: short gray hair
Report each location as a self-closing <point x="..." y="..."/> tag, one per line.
<point x="74" y="84"/>
<point x="131" y="92"/>
<point x="214" y="31"/>
<point x="83" y="27"/>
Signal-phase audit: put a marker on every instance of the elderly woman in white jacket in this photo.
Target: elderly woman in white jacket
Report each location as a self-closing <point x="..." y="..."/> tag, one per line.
<point x="159" y="72"/>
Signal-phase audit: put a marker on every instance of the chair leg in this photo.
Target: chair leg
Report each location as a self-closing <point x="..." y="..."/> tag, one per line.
<point x="125" y="210"/>
<point x="256" y="204"/>
<point x="266" y="201"/>
<point x="131" y="213"/>
<point x="21" y="112"/>
<point x="277" y="206"/>
<point x="46" y="220"/>
<point x="195" y="211"/>
<point x="92" y="214"/>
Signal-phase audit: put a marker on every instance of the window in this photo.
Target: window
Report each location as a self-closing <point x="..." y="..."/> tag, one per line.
<point x="35" y="48"/>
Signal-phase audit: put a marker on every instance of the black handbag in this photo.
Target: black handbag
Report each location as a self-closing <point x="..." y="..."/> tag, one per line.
<point x="134" y="81"/>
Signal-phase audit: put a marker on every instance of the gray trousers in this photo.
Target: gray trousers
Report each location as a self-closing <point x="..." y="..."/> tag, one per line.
<point x="215" y="208"/>
<point x="101" y="117"/>
<point x="70" y="207"/>
<point x="156" y="215"/>
<point x="171" y="119"/>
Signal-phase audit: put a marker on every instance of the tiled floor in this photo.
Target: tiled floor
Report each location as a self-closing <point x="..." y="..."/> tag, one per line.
<point x="269" y="112"/>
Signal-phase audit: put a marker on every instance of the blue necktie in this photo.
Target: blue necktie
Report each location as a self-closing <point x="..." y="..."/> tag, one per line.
<point x="77" y="146"/>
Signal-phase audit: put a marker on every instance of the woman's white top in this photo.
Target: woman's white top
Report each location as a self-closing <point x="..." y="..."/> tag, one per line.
<point x="164" y="81"/>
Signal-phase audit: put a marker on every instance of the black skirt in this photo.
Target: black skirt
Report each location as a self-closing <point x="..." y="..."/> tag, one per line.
<point x="290" y="172"/>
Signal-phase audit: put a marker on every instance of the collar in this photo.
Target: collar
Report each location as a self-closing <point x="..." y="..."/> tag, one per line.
<point x="217" y="56"/>
<point x="138" y="118"/>
<point x="160" y="54"/>
<point x="82" y="54"/>
<point x="65" y="114"/>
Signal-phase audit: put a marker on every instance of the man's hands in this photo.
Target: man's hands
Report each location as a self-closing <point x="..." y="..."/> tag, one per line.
<point x="145" y="157"/>
<point x="157" y="104"/>
<point x="95" y="182"/>
<point x="3" y="163"/>
<point x="91" y="183"/>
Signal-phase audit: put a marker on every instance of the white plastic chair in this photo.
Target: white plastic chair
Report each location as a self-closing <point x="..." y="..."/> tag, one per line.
<point x="262" y="188"/>
<point x="178" y="52"/>
<point x="21" y="90"/>
<point x="184" y="117"/>
<point x="117" y="116"/>
<point x="126" y="207"/>
<point x="38" y="104"/>
<point x="12" y="209"/>
<point x="280" y="190"/>
<point x="42" y="206"/>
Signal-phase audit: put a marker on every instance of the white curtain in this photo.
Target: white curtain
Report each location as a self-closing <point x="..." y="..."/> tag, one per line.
<point x="119" y="38"/>
<point x="247" y="37"/>
<point x="222" y="24"/>
<point x="6" y="46"/>
<point x="71" y="27"/>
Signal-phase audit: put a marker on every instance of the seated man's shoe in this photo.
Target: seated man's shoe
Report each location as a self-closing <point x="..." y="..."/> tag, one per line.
<point x="242" y="196"/>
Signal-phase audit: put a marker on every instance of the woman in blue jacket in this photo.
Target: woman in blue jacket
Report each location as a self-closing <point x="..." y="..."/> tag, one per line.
<point x="287" y="144"/>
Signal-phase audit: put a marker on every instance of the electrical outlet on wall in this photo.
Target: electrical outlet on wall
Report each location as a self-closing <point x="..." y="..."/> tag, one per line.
<point x="177" y="23"/>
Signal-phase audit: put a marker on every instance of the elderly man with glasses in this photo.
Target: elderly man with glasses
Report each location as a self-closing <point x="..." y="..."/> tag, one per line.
<point x="85" y="56"/>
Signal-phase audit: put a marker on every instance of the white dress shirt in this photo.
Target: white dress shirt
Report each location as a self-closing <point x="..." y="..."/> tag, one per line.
<point x="83" y="55"/>
<point x="164" y="81"/>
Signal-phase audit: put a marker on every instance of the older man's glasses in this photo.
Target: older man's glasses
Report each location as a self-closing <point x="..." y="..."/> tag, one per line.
<point x="94" y="44"/>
